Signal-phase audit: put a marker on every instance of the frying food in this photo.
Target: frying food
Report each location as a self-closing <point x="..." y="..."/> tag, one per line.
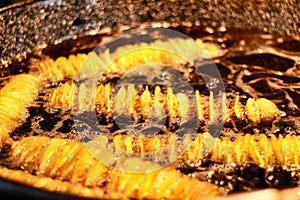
<point x="50" y="141"/>
<point x="71" y="162"/>
<point x="129" y="100"/>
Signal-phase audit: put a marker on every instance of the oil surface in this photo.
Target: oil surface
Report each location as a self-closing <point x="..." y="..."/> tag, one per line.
<point x="252" y="64"/>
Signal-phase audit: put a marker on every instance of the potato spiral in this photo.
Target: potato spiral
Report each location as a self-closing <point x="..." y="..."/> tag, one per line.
<point x="71" y="161"/>
<point x="129" y="101"/>
<point x="244" y="149"/>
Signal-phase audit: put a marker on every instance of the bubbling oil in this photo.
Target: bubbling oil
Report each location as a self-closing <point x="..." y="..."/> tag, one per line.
<point x="252" y="64"/>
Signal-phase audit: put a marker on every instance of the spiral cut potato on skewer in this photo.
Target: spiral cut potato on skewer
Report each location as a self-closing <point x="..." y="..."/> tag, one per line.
<point x="244" y="149"/>
<point x="71" y="161"/>
<point x="158" y="52"/>
<point x="131" y="56"/>
<point x="120" y="61"/>
<point x="15" y="96"/>
<point x="257" y="149"/>
<point x="129" y="101"/>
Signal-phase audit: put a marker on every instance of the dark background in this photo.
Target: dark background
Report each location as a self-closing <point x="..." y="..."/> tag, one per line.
<point x="8" y="2"/>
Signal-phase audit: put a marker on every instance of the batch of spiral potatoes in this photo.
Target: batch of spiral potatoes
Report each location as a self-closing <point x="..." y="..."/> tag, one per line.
<point x="67" y="166"/>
